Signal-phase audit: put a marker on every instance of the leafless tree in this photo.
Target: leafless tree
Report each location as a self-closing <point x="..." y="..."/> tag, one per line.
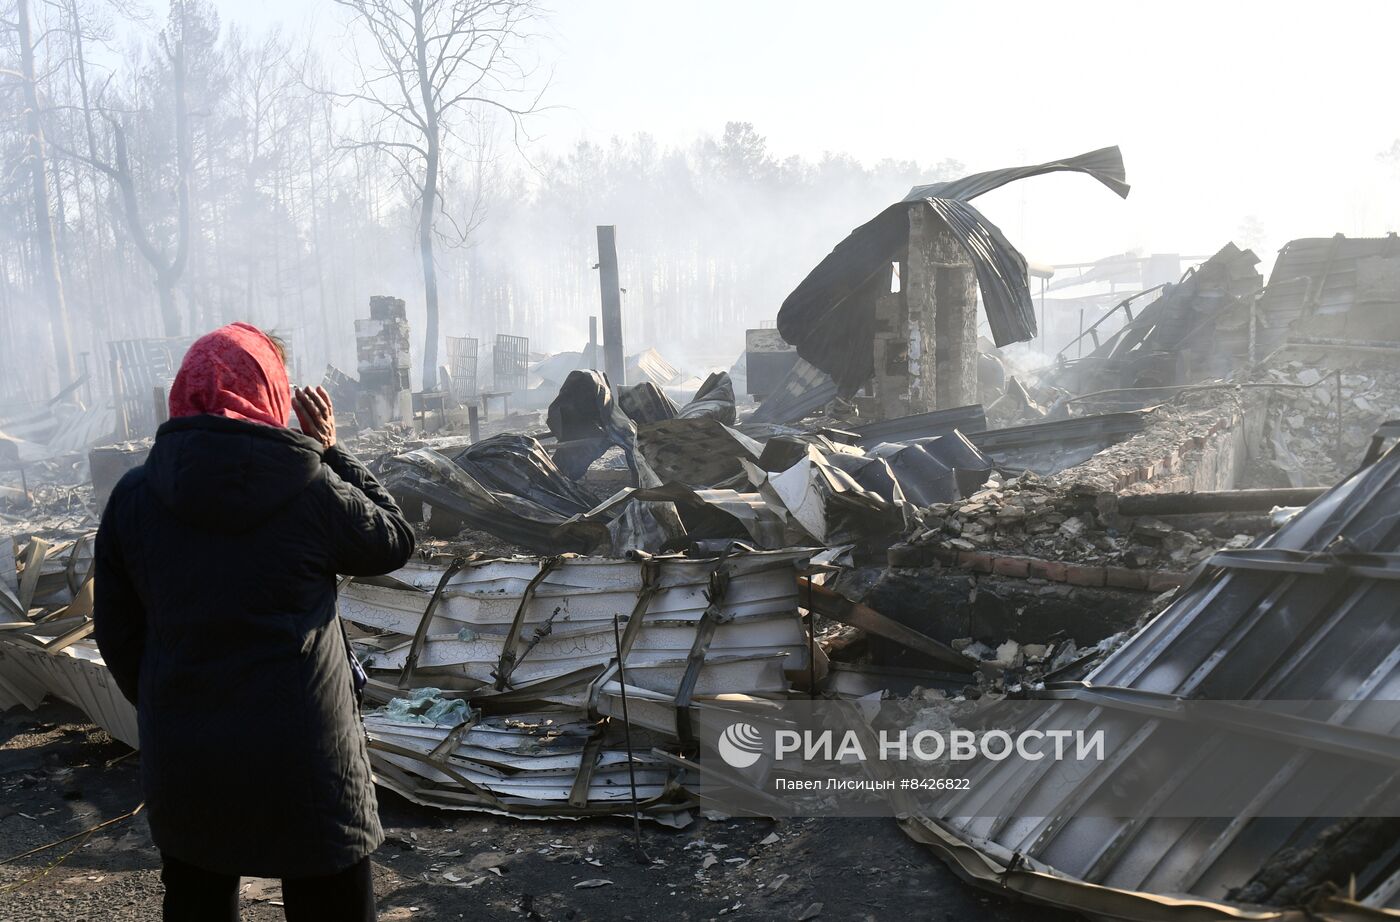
<point x="43" y="216"/>
<point x="167" y="267"/>
<point x="434" y="69"/>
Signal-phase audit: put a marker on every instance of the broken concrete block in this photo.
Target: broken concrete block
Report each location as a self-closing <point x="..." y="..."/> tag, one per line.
<point x="1308" y="376"/>
<point x="1072" y="527"/>
<point x="977" y="651"/>
<point x="1152" y="528"/>
<point x="1010" y="656"/>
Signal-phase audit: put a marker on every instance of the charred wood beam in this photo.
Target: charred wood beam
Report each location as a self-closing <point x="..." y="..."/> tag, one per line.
<point x="837" y="607"/>
<point x="1216" y="501"/>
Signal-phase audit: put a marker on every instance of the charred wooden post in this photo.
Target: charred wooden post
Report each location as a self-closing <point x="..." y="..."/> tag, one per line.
<point x="613" y="363"/>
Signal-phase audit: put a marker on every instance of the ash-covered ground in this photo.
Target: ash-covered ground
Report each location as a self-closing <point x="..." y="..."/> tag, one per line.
<point x="60" y="775"/>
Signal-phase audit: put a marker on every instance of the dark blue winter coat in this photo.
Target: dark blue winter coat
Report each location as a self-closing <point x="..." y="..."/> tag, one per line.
<point x="215" y="579"/>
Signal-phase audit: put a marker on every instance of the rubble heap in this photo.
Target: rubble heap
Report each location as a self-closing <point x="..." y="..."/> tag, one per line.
<point x="1038" y="518"/>
<point x="1309" y="447"/>
<point x="58" y="502"/>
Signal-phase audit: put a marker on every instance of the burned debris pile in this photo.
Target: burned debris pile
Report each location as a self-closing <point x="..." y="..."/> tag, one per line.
<point x="1321" y="422"/>
<point x="877" y="504"/>
<point x="45" y="628"/>
<point x="1033" y="520"/>
<point x="1322" y="574"/>
<point x="1190" y="330"/>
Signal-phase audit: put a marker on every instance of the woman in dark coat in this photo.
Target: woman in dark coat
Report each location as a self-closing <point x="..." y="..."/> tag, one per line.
<point x="215" y="580"/>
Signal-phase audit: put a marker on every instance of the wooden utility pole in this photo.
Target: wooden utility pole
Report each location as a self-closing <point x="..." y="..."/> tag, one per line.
<point x="38" y="167"/>
<point x="613" y="362"/>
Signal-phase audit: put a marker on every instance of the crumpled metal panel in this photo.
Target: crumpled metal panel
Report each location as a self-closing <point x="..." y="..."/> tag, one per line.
<point x="828" y="503"/>
<point x="804" y="390"/>
<point x="532" y="649"/>
<point x="53" y="655"/>
<point x="75" y="674"/>
<point x="520" y="660"/>
<point x="646" y="403"/>
<point x="586" y="419"/>
<point x="966" y="419"/>
<point x="1306" y="616"/>
<point x="521" y="760"/>
<point x="506" y="486"/>
<point x="1324" y="280"/>
<point x="937" y="470"/>
<point x="651" y="366"/>
<point x="1057" y="444"/>
<point x="576" y="600"/>
<point x="705" y="515"/>
<point x="835" y="333"/>
<point x="714" y="398"/>
<point x="1104" y="164"/>
<point x="699" y="451"/>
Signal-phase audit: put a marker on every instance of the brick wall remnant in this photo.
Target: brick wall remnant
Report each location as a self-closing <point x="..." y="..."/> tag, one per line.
<point x="383" y="357"/>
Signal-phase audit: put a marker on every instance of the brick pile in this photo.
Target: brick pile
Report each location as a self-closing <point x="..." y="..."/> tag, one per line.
<point x="1028" y="528"/>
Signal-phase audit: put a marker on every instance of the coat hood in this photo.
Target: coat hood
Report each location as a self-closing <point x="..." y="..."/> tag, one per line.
<point x="226" y="474"/>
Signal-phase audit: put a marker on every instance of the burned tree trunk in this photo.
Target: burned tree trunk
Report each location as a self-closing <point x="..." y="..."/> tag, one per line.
<point x="432" y="137"/>
<point x="49" y="268"/>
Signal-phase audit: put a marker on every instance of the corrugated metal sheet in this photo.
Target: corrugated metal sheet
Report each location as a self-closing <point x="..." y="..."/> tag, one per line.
<point x="1054" y="445"/>
<point x="538" y="651"/>
<point x="1308" y="616"/>
<point x="1104" y="164"/>
<point x="1179" y="331"/>
<point x="968" y="419"/>
<point x="1326" y="279"/>
<point x="76" y="675"/>
<point x="835" y="332"/>
<point x="805" y="389"/>
<point x="502" y="679"/>
<point x="650" y="365"/>
<point x="505" y="485"/>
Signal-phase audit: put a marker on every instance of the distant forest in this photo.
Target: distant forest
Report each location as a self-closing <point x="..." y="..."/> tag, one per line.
<point x="189" y="174"/>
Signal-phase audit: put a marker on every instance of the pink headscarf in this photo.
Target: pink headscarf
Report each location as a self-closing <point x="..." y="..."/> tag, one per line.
<point x="236" y="372"/>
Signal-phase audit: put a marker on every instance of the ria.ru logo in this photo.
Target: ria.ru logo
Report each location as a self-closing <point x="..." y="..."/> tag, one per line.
<point x="740" y="745"/>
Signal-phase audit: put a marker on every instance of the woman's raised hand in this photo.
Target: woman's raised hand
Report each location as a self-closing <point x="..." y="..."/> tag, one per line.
<point x="315" y="413"/>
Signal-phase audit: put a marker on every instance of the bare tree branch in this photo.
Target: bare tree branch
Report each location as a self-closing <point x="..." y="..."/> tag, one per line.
<point x="437" y="64"/>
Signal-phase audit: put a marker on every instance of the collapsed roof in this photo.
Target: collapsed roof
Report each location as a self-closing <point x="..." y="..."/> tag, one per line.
<point x="835" y="333"/>
<point x="1168" y="328"/>
<point x="1339" y="286"/>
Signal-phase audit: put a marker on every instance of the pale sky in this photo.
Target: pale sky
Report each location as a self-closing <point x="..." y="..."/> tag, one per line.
<point x="1222" y="109"/>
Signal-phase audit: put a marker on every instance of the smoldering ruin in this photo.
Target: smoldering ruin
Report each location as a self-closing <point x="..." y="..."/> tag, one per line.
<point x="1181" y="490"/>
